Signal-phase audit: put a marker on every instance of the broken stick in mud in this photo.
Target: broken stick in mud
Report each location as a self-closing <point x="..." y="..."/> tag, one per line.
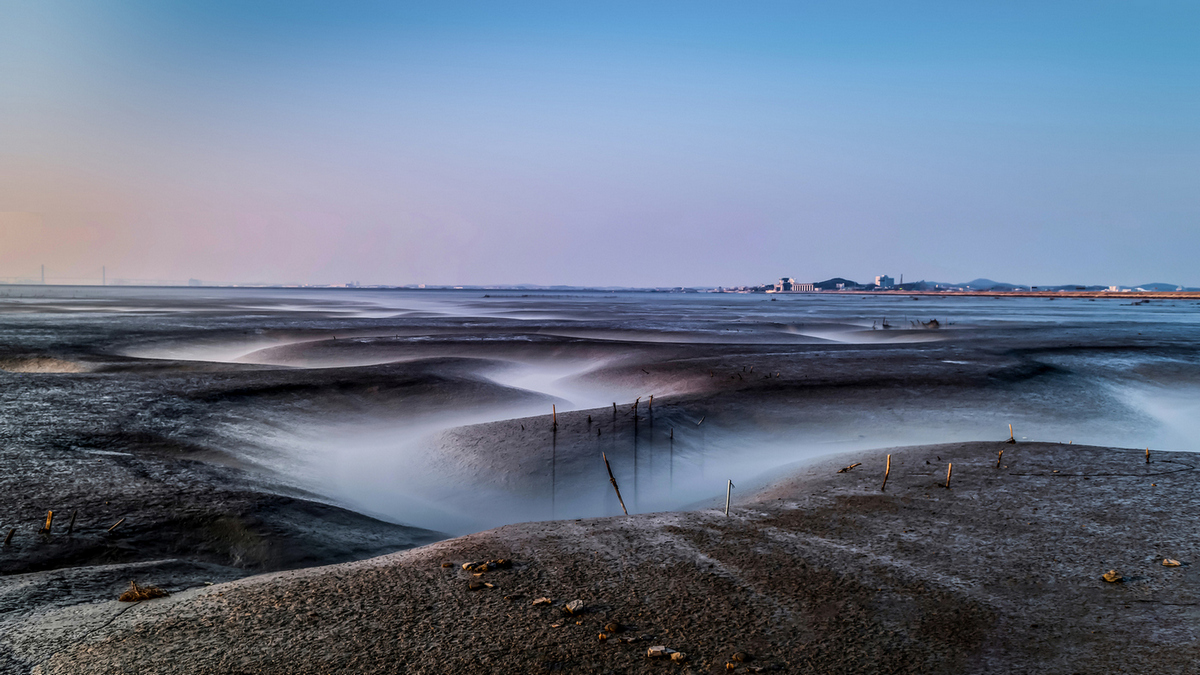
<point x="613" y="480"/>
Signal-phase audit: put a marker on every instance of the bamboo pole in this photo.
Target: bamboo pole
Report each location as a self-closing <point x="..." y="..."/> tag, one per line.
<point x="701" y="420"/>
<point x="1011" y="437"/>
<point x="728" y="492"/>
<point x="886" y="472"/>
<point x="948" y="470"/>
<point x="10" y="534"/>
<point x="114" y="526"/>
<point x="612" y="479"/>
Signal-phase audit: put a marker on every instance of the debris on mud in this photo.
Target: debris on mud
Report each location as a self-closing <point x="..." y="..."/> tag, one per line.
<point x="137" y="593"/>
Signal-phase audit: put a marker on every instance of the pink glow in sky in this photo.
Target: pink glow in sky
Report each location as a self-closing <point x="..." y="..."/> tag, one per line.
<point x="599" y="144"/>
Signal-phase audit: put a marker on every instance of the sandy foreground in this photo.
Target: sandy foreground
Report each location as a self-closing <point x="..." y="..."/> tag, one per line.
<point x="821" y="572"/>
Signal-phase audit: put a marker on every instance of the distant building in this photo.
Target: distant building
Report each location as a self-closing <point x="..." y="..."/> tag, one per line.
<point x="884" y="281"/>
<point x="789" y="285"/>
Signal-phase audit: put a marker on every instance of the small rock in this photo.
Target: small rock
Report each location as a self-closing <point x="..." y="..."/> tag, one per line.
<point x="612" y="627"/>
<point x="742" y="657"/>
<point x="658" y="651"/>
<point x="603" y="637"/>
<point x="468" y="565"/>
<point x="730" y="666"/>
<point x="678" y="656"/>
<point x="475" y="585"/>
<point x="1112" y="577"/>
<point x="556" y="625"/>
<point x="1171" y="562"/>
<point x="446" y="564"/>
<point x="542" y="601"/>
<point x="575" y="607"/>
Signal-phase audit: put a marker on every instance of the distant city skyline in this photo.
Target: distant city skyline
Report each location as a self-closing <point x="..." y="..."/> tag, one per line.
<point x="599" y="144"/>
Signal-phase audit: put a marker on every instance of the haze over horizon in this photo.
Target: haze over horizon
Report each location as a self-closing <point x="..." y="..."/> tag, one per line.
<point x="600" y="144"/>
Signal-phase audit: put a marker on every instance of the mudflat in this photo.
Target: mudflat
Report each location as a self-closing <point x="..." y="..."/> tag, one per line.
<point x="819" y="572"/>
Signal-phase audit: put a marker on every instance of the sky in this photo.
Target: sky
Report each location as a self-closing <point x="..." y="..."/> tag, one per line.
<point x="599" y="143"/>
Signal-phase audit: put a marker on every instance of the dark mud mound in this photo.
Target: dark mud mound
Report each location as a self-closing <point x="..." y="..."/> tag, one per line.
<point x="244" y="530"/>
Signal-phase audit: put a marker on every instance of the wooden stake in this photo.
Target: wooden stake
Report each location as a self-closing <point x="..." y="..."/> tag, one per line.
<point x="998" y="458"/>
<point x="611" y="479"/>
<point x="116" y="524"/>
<point x="886" y="471"/>
<point x="672" y="433"/>
<point x="701" y="420"/>
<point x="71" y="527"/>
<point x="49" y="519"/>
<point x="651" y="406"/>
<point x="1011" y="438"/>
<point x="728" y="491"/>
<point x="948" y="470"/>
<point x="1147" y="455"/>
<point x="554" y="415"/>
<point x="10" y="534"/>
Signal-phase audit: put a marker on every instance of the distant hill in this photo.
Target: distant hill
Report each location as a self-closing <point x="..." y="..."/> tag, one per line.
<point x="832" y="284"/>
<point x="988" y="285"/>
<point x="1158" y="287"/>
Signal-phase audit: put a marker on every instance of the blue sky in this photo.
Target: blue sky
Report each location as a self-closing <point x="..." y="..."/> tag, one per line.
<point x="600" y="143"/>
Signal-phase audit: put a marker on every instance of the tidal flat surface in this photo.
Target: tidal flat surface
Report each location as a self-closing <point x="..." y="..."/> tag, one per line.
<point x="430" y="411"/>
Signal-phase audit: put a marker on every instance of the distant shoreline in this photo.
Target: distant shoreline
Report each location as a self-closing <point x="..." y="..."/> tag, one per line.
<point x="1141" y="295"/>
